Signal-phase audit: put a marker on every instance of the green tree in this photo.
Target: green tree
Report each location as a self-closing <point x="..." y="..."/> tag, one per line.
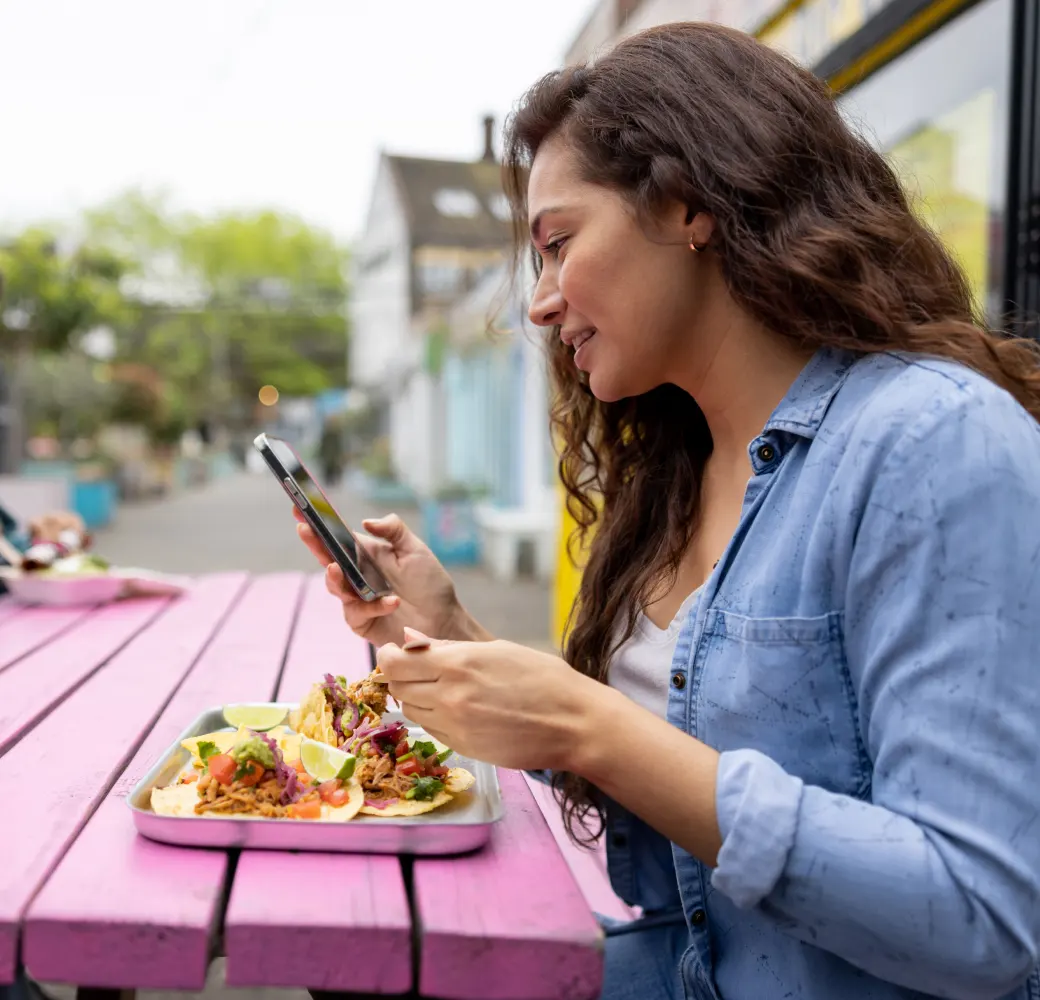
<point x="224" y="305"/>
<point x="49" y="299"/>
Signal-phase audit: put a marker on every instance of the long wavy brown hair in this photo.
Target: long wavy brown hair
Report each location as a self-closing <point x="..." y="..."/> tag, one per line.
<point x="816" y="239"/>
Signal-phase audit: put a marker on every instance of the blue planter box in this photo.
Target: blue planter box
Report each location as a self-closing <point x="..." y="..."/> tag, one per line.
<point x="450" y="529"/>
<point x="95" y="502"/>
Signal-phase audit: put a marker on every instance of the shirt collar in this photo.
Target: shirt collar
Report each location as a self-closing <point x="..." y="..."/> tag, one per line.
<point x="802" y="410"/>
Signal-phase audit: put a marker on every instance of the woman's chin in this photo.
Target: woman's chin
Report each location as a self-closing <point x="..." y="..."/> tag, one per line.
<point x="607" y="388"/>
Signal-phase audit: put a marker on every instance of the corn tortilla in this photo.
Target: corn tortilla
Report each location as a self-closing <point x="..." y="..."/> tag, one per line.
<point x="179" y="800"/>
<point x="456" y="781"/>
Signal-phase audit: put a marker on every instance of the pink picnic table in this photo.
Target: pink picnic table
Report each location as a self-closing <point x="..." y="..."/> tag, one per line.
<point x="89" y="700"/>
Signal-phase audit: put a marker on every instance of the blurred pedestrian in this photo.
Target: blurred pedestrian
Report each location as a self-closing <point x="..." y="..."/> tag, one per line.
<point x="331" y="450"/>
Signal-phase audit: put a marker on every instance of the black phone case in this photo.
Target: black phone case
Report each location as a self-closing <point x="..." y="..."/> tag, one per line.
<point x="350" y="571"/>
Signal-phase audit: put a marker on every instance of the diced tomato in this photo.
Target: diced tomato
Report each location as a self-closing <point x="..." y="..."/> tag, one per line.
<point x="304" y="778"/>
<point x="297" y="765"/>
<point x="307" y="809"/>
<point x="437" y="770"/>
<point x="401" y="749"/>
<point x="410" y="767"/>
<point x="255" y="773"/>
<point x="326" y="788"/>
<point x="222" y="766"/>
<point x="338" y="798"/>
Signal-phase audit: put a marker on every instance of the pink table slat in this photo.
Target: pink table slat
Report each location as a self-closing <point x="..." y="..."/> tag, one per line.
<point x="73" y="755"/>
<point x="321" y="644"/>
<point x="122" y="911"/>
<point x="29" y="688"/>
<point x="34" y="627"/>
<point x="8" y="609"/>
<point x="589" y="867"/>
<point x="509" y="922"/>
<point x="274" y="935"/>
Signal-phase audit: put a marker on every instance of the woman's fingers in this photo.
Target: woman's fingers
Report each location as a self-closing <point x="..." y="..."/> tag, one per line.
<point x="313" y="542"/>
<point x="358" y="613"/>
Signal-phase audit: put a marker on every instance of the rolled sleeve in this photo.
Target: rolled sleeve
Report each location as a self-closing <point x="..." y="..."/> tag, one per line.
<point x="756" y="802"/>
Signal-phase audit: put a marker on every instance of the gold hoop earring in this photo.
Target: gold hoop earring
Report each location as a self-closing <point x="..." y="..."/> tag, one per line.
<point x="698" y="247"/>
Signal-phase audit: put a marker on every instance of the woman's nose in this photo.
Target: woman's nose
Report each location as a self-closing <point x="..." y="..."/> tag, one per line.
<point x="547" y="305"/>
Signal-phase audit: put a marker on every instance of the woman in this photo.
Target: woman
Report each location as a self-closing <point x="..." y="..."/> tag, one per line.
<point x="800" y="680"/>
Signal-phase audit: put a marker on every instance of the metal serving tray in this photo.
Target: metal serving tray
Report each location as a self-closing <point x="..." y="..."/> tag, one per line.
<point x="462" y="825"/>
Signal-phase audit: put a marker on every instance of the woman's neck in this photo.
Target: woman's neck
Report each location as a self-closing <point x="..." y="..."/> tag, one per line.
<point x="744" y="381"/>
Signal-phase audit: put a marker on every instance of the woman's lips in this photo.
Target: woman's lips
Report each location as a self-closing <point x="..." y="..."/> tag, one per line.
<point x="581" y="349"/>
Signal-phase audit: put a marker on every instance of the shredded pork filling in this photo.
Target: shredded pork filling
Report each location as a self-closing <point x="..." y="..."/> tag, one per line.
<point x="370" y="693"/>
<point x="260" y="799"/>
<point x="379" y="779"/>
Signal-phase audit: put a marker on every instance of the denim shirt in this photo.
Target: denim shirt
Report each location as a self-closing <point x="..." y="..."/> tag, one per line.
<point x="864" y="657"/>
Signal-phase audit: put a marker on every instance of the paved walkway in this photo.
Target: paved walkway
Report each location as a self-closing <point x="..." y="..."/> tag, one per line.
<point x="244" y="521"/>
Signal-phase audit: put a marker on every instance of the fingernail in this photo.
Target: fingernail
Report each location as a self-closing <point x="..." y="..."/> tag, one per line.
<point x="415" y="639"/>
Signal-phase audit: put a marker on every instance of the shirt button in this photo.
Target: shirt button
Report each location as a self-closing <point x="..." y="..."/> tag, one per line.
<point x="678" y="681"/>
<point x="698" y="917"/>
<point x="766" y="453"/>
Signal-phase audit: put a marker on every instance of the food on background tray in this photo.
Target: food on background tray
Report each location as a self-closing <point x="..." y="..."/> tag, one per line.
<point x="334" y="711"/>
<point x="65" y="554"/>
<point x="255" y="777"/>
<point x="40" y="561"/>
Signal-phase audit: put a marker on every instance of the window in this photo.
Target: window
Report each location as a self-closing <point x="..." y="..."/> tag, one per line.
<point x="440" y="279"/>
<point x="456" y="203"/>
<point x="499" y="205"/>
<point x="940" y="113"/>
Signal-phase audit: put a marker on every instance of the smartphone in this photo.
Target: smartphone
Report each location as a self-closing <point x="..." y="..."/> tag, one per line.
<point x="339" y="541"/>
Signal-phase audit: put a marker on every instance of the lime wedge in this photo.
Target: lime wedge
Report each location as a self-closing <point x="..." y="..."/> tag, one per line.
<point x="323" y="763"/>
<point x="259" y="718"/>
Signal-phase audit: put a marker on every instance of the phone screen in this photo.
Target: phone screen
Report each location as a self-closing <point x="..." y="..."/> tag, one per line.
<point x="329" y="517"/>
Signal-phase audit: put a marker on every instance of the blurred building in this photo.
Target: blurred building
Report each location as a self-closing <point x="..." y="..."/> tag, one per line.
<point x="440" y="349"/>
<point x="434" y="229"/>
<point x="948" y="89"/>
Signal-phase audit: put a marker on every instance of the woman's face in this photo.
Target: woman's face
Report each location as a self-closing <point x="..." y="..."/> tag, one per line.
<point x="630" y="301"/>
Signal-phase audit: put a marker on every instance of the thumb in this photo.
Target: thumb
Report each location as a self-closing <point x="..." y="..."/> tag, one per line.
<point x="390" y="528"/>
<point x="414" y="640"/>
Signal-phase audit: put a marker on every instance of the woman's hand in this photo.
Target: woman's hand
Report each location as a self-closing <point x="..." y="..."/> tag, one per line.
<point x="424" y="594"/>
<point x="512" y="706"/>
<point x="494" y="701"/>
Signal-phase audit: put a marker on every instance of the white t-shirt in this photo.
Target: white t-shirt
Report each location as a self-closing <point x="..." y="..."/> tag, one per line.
<point x="642" y="667"/>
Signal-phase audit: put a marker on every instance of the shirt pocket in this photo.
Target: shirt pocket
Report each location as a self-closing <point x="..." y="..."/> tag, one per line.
<point x="781" y="686"/>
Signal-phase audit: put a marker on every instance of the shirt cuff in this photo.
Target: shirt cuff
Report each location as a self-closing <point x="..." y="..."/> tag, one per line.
<point x="756" y="803"/>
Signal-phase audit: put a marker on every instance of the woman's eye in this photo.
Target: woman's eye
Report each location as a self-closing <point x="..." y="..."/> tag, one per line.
<point x="553" y="248"/>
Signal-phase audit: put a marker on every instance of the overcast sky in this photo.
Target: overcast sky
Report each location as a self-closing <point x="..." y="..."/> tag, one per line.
<point x="246" y="103"/>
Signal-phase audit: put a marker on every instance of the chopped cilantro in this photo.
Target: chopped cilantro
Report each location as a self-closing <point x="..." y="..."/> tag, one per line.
<point x="424" y="748"/>
<point x="425" y="788"/>
<point x="207" y="749"/>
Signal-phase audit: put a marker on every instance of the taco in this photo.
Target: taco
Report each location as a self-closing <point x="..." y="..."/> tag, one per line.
<point x="334" y="711"/>
<point x="404" y="778"/>
<point x="253" y="780"/>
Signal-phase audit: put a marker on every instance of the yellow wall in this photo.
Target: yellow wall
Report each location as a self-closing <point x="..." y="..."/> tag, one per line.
<point x="568" y="576"/>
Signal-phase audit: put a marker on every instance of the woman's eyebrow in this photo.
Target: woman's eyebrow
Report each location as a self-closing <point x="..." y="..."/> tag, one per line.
<point x="536" y="223"/>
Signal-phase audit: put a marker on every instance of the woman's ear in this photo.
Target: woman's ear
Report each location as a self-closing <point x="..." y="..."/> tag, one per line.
<point x="702" y="228"/>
